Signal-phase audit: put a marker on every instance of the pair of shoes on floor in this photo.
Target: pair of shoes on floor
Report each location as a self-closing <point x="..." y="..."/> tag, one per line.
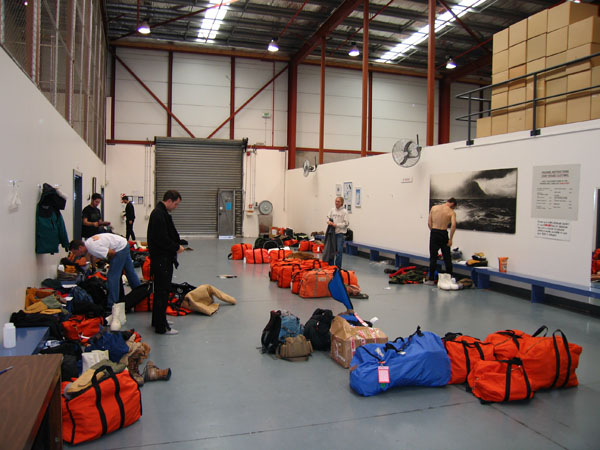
<point x="153" y="373"/>
<point x="447" y="283"/>
<point x="428" y="282"/>
<point x="171" y="332"/>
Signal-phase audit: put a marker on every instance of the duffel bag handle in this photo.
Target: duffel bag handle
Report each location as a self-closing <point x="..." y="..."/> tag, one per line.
<point x="543" y="328"/>
<point x="96" y="386"/>
<point x="509" y="364"/>
<point x="569" y="360"/>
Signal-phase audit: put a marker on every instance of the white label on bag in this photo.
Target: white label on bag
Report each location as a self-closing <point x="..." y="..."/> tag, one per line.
<point x="384" y="374"/>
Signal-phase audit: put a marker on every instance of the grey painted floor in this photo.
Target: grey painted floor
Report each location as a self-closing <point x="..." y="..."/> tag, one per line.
<point x="225" y="395"/>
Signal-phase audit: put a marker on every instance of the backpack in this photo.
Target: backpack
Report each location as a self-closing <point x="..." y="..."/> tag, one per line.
<point x="316" y="330"/>
<point x="349" y="235"/>
<point x="281" y="324"/>
<point x="238" y="250"/>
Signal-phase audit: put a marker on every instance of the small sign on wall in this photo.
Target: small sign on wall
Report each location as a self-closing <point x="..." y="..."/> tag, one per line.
<point x="559" y="230"/>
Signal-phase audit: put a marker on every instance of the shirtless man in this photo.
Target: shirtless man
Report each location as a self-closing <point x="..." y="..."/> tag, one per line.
<point x="440" y="217"/>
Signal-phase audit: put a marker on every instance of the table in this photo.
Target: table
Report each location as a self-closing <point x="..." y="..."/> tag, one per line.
<point x="30" y="341"/>
<point x="29" y="394"/>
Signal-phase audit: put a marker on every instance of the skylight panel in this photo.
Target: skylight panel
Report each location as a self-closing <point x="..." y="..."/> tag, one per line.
<point x="213" y="19"/>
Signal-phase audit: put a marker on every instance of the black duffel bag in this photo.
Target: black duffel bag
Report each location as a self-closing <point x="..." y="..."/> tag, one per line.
<point x="316" y="330"/>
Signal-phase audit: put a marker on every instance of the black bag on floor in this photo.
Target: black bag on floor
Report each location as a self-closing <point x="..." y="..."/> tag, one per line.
<point x="97" y="290"/>
<point x="316" y="330"/>
<point x="270" y="335"/>
<point x="136" y="295"/>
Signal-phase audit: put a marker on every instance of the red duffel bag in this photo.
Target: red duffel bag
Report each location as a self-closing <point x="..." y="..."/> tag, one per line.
<point x="500" y="381"/>
<point x="238" y="250"/>
<point x="80" y="328"/>
<point x="109" y="404"/>
<point x="464" y="352"/>
<point x="257" y="256"/>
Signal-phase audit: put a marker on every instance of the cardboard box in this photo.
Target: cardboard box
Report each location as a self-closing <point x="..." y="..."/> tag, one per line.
<point x="595" y="77"/>
<point x="580" y="52"/>
<point x="579" y="80"/>
<point x="595" y="109"/>
<point x="500" y="61"/>
<point x="540" y="117"/>
<point x="499" y="124"/>
<point x="517" y="54"/>
<point x="556" y="112"/>
<point x="499" y="78"/>
<point x="568" y="13"/>
<point x="517" y="72"/>
<point x="556" y="86"/>
<point x="586" y="31"/>
<point x="517" y="33"/>
<point x="579" y="108"/>
<point x="484" y="127"/>
<point x="534" y="66"/>
<point x="345" y="339"/>
<point x="556" y="41"/>
<point x="499" y="100"/>
<point x="537" y="24"/>
<point x="536" y="47"/>
<point x="500" y="41"/>
<point x="556" y="60"/>
<point x="516" y="96"/>
<point x="516" y="121"/>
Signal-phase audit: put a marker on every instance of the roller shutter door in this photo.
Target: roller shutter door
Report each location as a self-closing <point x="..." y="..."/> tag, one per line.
<point x="198" y="168"/>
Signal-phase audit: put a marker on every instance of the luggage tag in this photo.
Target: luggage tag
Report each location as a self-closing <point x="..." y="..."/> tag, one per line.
<point x="383" y="374"/>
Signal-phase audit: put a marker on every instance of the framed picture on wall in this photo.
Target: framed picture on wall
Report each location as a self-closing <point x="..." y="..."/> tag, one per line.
<point x="338" y="190"/>
<point x="140" y="200"/>
<point x="357" y="199"/>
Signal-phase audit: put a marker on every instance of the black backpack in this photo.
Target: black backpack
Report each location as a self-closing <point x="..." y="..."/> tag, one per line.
<point x="316" y="329"/>
<point x="270" y="335"/>
<point x="136" y="295"/>
<point x="349" y="235"/>
<point x="97" y="290"/>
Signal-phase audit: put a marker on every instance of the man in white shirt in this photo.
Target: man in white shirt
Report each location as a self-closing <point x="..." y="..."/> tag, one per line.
<point x="115" y="248"/>
<point x="338" y="217"/>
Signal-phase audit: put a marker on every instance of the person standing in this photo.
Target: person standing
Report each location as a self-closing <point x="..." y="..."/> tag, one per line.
<point x="441" y="217"/>
<point x="92" y="218"/>
<point x="129" y="218"/>
<point x="338" y="218"/>
<point x="115" y="249"/>
<point x="163" y="247"/>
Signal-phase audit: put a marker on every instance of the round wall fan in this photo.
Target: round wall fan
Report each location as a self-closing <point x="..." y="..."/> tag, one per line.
<point x="406" y="152"/>
<point x="308" y="168"/>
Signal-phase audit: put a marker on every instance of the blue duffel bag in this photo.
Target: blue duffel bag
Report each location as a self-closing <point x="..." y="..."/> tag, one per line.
<point x="419" y="360"/>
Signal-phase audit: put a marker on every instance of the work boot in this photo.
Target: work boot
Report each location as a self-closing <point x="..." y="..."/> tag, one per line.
<point x="153" y="373"/>
<point x="117" y="318"/>
<point x="135" y="360"/>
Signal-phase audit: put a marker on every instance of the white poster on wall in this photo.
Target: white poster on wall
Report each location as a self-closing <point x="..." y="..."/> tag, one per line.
<point x="559" y="230"/>
<point x="348" y="195"/>
<point x="555" y="192"/>
<point x="357" y="199"/>
<point x="338" y="190"/>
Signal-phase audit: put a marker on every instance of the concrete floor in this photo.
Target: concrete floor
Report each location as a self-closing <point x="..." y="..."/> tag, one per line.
<point x="224" y="394"/>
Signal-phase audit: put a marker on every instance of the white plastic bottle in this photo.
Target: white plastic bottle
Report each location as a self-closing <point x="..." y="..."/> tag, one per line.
<point x="10" y="335"/>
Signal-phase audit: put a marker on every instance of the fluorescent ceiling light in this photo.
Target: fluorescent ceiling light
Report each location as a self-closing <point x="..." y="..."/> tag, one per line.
<point x="273" y="47"/>
<point x="213" y="19"/>
<point x="441" y="22"/>
<point x="354" y="51"/>
<point x="144" y="28"/>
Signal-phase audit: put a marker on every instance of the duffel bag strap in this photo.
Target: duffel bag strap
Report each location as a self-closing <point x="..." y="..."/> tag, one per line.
<point x="557" y="353"/>
<point x="509" y="365"/>
<point x="96" y="386"/>
<point x="543" y="328"/>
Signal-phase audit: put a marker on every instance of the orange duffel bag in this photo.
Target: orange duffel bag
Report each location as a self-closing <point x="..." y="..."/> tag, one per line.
<point x="500" y="381"/>
<point x="257" y="256"/>
<point x="238" y="251"/>
<point x="277" y="254"/>
<point x="296" y="279"/>
<point x="109" y="404"/>
<point x="550" y="361"/>
<point x="276" y="268"/>
<point x="146" y="271"/>
<point x="80" y="328"/>
<point x="464" y="352"/>
<point x="315" y="283"/>
<point x="285" y="275"/>
<point x="507" y="343"/>
<point x="349" y="277"/>
<point x="305" y="246"/>
<point x="317" y="247"/>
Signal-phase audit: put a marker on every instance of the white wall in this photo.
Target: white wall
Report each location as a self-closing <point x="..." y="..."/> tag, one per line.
<point x="38" y="147"/>
<point x="394" y="214"/>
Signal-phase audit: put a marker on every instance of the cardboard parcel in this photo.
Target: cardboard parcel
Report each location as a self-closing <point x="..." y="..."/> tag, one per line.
<point x="345" y="339"/>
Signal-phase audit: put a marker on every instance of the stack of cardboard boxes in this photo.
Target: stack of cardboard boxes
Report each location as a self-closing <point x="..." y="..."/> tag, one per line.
<point x="566" y="32"/>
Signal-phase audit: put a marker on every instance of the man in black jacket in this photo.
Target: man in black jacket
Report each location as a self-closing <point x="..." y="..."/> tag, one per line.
<point x="163" y="246"/>
<point x="129" y="218"/>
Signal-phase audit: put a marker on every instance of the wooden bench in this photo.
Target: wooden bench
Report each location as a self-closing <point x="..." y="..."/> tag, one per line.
<point x="481" y="278"/>
<point x="481" y="275"/>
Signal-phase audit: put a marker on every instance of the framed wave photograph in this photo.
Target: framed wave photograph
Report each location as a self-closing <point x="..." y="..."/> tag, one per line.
<point x="486" y="199"/>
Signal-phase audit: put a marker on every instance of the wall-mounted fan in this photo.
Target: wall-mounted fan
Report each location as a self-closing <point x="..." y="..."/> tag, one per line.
<point x="308" y="168"/>
<point x="406" y="152"/>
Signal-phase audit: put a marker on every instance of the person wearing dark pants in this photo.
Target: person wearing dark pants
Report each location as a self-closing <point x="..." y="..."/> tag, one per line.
<point x="441" y="217"/>
<point x="129" y="218"/>
<point x="163" y="247"/>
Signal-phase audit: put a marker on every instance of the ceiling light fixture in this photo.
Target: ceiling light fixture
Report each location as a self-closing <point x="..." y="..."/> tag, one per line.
<point x="273" y="47"/>
<point x="450" y="64"/>
<point x="354" y="50"/>
<point x="144" y="28"/>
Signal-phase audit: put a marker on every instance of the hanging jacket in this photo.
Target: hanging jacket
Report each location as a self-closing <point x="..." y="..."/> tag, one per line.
<point x="330" y="244"/>
<point x="50" y="228"/>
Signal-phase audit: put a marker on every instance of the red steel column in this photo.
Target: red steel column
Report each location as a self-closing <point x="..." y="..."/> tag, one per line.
<point x="365" y="80"/>
<point x="232" y="99"/>
<point x="431" y="73"/>
<point x="292" y="111"/>
<point x="444" y="111"/>
<point x="370" y="120"/>
<point x="322" y="108"/>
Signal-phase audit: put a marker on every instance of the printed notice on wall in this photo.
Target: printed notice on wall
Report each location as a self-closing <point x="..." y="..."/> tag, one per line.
<point x="559" y="230"/>
<point x="555" y="192"/>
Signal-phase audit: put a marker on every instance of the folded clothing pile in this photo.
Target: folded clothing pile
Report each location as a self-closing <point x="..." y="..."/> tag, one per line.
<point x="478" y="260"/>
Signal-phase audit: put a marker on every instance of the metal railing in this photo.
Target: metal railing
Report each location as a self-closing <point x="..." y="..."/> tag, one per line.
<point x="480" y="92"/>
